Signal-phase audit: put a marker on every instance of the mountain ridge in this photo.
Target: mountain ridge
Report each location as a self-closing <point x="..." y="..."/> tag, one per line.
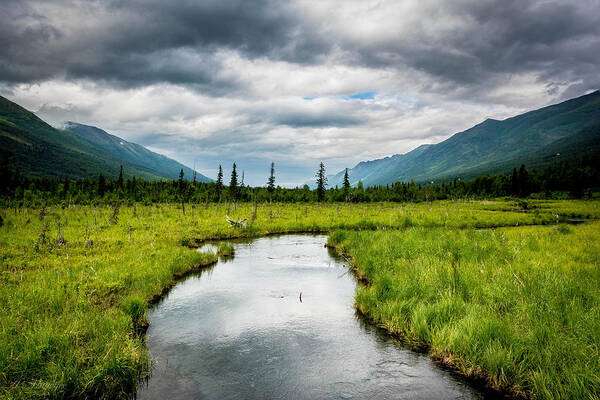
<point x="40" y="150"/>
<point x="132" y="152"/>
<point x="483" y="147"/>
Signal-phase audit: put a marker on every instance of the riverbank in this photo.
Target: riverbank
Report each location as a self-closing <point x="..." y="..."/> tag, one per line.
<point x="76" y="282"/>
<point x="515" y="307"/>
<point x="207" y="341"/>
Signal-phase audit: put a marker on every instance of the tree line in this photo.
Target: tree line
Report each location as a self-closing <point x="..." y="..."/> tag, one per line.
<point x="563" y="179"/>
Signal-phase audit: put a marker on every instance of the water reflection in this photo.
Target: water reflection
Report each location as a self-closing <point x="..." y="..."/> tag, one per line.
<point x="239" y="331"/>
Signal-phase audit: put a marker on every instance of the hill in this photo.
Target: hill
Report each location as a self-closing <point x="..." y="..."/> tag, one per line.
<point x="37" y="150"/>
<point x="492" y="146"/>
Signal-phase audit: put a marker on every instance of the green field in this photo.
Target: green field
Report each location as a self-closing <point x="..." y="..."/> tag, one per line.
<point x="517" y="305"/>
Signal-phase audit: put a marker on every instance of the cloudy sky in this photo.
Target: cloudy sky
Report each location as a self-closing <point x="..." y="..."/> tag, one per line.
<point x="209" y="82"/>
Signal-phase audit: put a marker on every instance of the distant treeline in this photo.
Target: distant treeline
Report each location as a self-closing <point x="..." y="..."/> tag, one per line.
<point x="562" y="179"/>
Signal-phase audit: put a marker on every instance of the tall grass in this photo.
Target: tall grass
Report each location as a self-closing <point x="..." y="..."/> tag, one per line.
<point x="225" y="249"/>
<point x="519" y="307"/>
<point x="70" y="312"/>
<point x="75" y="283"/>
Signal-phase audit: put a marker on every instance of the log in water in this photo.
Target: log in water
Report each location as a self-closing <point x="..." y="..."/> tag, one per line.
<point x="240" y="331"/>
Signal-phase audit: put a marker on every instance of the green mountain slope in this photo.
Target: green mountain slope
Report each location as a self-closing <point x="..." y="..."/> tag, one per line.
<point x="37" y="149"/>
<point x="132" y="153"/>
<point x="492" y="146"/>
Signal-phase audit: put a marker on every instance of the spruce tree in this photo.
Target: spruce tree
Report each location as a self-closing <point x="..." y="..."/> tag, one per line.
<point x="65" y="188"/>
<point x="180" y="182"/>
<point x="133" y="187"/>
<point x="219" y="185"/>
<point x="101" y="185"/>
<point x="524" y="188"/>
<point x="346" y="180"/>
<point x="5" y="174"/>
<point x="321" y="182"/>
<point x="233" y="183"/>
<point x="514" y="183"/>
<point x="120" y="180"/>
<point x="182" y="191"/>
<point x="271" y="180"/>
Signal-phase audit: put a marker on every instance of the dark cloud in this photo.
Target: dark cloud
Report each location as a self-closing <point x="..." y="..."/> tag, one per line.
<point x="556" y="40"/>
<point x="296" y="81"/>
<point x="302" y="119"/>
<point x="136" y="43"/>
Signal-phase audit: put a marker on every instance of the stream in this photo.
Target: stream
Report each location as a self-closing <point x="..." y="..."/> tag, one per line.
<point x="238" y="330"/>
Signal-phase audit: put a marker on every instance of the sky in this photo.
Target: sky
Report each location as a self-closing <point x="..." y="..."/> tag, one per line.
<point x="295" y="83"/>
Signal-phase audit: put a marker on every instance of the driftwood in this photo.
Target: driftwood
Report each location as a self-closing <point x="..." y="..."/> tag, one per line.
<point x="236" y="224"/>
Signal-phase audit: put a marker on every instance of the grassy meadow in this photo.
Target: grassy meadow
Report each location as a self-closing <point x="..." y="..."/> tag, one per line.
<point x="516" y="304"/>
<point x="518" y="307"/>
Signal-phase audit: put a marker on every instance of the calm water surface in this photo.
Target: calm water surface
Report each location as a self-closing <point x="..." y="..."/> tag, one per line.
<point x="239" y="331"/>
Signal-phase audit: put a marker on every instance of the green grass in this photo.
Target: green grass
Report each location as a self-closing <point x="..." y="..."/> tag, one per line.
<point x="225" y="249"/>
<point x="519" y="307"/>
<point x="75" y="283"/>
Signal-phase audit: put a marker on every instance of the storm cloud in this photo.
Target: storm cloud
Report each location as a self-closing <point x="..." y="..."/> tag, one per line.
<point x="210" y="82"/>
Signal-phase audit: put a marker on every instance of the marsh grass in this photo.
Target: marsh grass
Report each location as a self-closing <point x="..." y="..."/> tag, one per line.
<point x="71" y="313"/>
<point x="519" y="307"/>
<point x="225" y="249"/>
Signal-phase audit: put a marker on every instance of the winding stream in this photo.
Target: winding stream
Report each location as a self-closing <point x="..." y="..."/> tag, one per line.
<point x="239" y="331"/>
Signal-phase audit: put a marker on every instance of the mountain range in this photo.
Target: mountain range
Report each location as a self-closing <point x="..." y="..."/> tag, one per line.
<point x="537" y="138"/>
<point x="564" y="131"/>
<point x="76" y="151"/>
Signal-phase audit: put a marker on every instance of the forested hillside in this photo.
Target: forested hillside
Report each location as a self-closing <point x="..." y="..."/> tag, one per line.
<point x="36" y="149"/>
<point x="493" y="146"/>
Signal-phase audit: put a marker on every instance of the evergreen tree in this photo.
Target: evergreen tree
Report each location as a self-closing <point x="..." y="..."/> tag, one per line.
<point x="133" y="186"/>
<point x="65" y="188"/>
<point x="514" y="183"/>
<point x="524" y="187"/>
<point x="346" y="180"/>
<point x="120" y="180"/>
<point x="101" y="185"/>
<point x="271" y="180"/>
<point x="182" y="191"/>
<point x="219" y="185"/>
<point x="233" y="183"/>
<point x="5" y="174"/>
<point x="180" y="182"/>
<point x="321" y="182"/>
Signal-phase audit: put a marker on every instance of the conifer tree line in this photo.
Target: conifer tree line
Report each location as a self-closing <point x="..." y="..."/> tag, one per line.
<point x="559" y="180"/>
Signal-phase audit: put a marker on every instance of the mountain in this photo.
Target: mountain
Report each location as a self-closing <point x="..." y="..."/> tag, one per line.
<point x="132" y="153"/>
<point x="492" y="146"/>
<point x="37" y="149"/>
<point x="377" y="169"/>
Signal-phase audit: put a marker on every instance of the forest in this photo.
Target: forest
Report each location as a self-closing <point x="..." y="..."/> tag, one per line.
<point x="575" y="179"/>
